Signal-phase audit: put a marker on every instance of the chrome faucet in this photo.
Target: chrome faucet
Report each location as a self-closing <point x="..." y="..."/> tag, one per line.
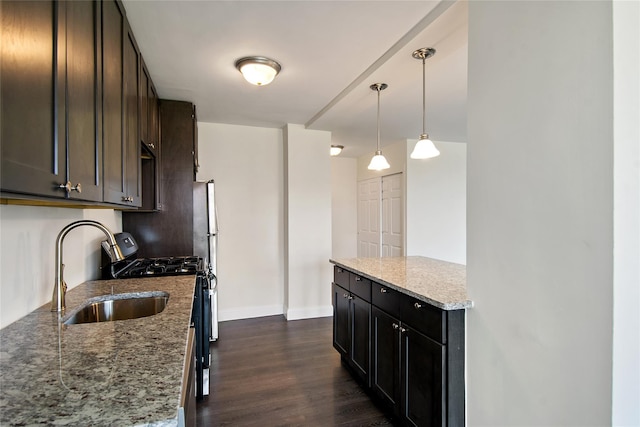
<point x="60" y="287"/>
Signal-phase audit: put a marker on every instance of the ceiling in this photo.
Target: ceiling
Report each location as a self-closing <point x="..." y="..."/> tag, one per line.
<point x="330" y="52"/>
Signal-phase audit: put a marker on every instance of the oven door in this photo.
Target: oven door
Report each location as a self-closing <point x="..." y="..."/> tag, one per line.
<point x="201" y="318"/>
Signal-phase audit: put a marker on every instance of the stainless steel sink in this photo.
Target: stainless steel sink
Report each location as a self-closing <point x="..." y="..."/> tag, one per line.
<point x="118" y="307"/>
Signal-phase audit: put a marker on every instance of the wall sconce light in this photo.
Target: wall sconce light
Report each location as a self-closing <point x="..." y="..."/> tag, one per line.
<point x="425" y="148"/>
<point x="378" y="162"/>
<point x="258" y="70"/>
<point x="335" y="150"/>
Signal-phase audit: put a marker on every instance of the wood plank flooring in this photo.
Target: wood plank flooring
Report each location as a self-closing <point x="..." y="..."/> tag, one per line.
<point x="270" y="372"/>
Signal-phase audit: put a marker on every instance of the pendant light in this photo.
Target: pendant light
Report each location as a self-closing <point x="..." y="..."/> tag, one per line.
<point x="378" y="162"/>
<point x="424" y="149"/>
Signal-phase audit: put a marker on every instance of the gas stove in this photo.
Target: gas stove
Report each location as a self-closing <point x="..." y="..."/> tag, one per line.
<point x="166" y="266"/>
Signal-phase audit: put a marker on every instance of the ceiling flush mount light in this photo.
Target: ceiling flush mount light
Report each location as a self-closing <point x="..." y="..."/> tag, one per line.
<point x="336" y="149"/>
<point x="258" y="70"/>
<point x="378" y="162"/>
<point x="424" y="149"/>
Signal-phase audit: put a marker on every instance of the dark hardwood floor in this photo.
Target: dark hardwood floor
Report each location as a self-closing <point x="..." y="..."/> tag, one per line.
<point x="270" y="372"/>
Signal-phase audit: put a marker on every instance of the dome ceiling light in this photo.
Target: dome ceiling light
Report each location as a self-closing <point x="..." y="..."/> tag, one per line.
<point x="424" y="149"/>
<point x="258" y="70"/>
<point x="335" y="150"/>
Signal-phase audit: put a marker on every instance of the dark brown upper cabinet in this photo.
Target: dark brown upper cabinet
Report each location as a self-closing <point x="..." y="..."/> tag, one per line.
<point x="120" y="68"/>
<point x="50" y="85"/>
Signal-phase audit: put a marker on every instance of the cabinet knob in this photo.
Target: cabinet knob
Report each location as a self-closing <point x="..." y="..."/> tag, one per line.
<point x="395" y="325"/>
<point x="383" y="291"/>
<point x="152" y="145"/>
<point x="345" y="295"/>
<point x="128" y="199"/>
<point x="340" y="270"/>
<point x="350" y="296"/>
<point x="403" y="330"/>
<point x="417" y="305"/>
<point x="358" y="279"/>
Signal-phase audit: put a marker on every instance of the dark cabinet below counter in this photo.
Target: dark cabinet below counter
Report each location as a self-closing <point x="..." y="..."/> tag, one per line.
<point x="407" y="353"/>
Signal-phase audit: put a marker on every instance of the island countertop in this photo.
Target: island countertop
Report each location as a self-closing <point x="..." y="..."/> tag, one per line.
<point x="124" y="373"/>
<point x="439" y="283"/>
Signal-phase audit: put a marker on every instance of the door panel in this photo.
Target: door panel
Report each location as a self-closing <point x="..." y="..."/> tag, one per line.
<point x="385" y="372"/>
<point x="340" y="320"/>
<point x="360" y="326"/>
<point x="392" y="215"/>
<point x="423" y="372"/>
<point x="369" y="218"/>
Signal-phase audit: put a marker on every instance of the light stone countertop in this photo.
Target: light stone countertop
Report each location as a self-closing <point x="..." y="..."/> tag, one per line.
<point x="439" y="283"/>
<point x="122" y="373"/>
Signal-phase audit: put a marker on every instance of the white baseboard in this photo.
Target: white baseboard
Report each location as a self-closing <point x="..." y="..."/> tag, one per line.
<point x="309" y="312"/>
<point x="249" y="312"/>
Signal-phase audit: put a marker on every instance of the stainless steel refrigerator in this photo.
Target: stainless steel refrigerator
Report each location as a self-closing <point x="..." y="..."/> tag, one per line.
<point x="205" y="240"/>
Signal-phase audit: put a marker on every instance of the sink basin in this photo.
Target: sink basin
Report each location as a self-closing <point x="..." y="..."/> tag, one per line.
<point x="109" y="308"/>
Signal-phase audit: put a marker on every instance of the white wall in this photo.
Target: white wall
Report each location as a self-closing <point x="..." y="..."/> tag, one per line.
<point x="344" y="207"/>
<point x="247" y="166"/>
<point x="27" y="254"/>
<point x="436" y="203"/>
<point x="308" y="273"/>
<point x="540" y="214"/>
<point x="626" y="293"/>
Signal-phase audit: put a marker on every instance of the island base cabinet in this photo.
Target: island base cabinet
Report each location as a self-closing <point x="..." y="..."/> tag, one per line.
<point x="423" y="386"/>
<point x="351" y="331"/>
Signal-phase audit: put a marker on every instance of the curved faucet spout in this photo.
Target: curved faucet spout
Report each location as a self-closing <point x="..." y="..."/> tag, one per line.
<point x="60" y="287"/>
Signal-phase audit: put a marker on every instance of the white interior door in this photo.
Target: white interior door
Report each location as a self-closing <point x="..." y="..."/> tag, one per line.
<point x="381" y="216"/>
<point x="369" y="196"/>
<point x="392" y="215"/>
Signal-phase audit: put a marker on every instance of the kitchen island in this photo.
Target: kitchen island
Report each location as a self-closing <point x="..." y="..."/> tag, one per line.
<point x="398" y="324"/>
<point x="439" y="283"/>
<point x="124" y="373"/>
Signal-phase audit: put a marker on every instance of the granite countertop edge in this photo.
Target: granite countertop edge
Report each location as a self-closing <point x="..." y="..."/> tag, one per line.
<point x="461" y="303"/>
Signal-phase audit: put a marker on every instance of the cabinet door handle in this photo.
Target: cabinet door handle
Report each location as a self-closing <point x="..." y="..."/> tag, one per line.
<point x="350" y="297"/>
<point x="68" y="188"/>
<point x="395" y="325"/>
<point x="358" y="279"/>
<point x="402" y="330"/>
<point x="383" y="291"/>
<point x="417" y="305"/>
<point x="345" y="295"/>
<point x="128" y="199"/>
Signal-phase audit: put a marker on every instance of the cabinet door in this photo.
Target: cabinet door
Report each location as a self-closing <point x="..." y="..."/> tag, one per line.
<point x="33" y="159"/>
<point x="131" y="113"/>
<point x="112" y="101"/>
<point x="144" y="103"/>
<point x="385" y="358"/>
<point x="121" y="146"/>
<point x="83" y="139"/>
<point x="341" y="335"/>
<point x="360" y="322"/>
<point x="423" y="390"/>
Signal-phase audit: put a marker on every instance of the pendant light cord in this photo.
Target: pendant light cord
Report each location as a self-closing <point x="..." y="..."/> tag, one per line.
<point x="378" y="121"/>
<point x="424" y="103"/>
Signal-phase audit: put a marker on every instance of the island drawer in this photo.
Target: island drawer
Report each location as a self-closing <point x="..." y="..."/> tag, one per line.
<point x="360" y="286"/>
<point x="386" y="299"/>
<point x="341" y="277"/>
<point x="425" y="318"/>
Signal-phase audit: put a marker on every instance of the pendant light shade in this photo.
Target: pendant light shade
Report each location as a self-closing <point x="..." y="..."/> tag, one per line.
<point x="378" y="162"/>
<point x="424" y="149"/>
<point x="258" y="70"/>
